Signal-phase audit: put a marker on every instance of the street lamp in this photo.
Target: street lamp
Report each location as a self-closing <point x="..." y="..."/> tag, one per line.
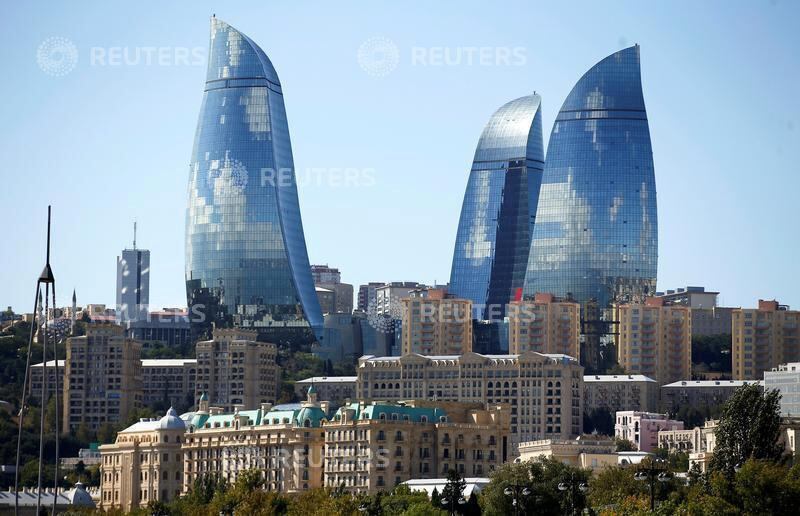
<point x="655" y="470"/>
<point x="518" y="493"/>
<point x="572" y="487"/>
<point x="452" y="504"/>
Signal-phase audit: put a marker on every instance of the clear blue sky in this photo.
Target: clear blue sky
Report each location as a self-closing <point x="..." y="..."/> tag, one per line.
<point x="107" y="144"/>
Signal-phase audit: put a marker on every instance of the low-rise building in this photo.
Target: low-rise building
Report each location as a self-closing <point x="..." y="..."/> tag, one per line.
<point x="543" y="391"/>
<point x="544" y="324"/>
<point x="686" y="441"/>
<point x="705" y="395"/>
<point x="236" y="371"/>
<point x="642" y="428"/>
<point x="587" y="452"/>
<point x="371" y="447"/>
<point x="336" y="389"/>
<point x="144" y="464"/>
<point x="622" y="392"/>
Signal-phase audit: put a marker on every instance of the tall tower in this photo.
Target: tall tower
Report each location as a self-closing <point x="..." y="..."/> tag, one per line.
<point x="246" y="259"/>
<point x="596" y="232"/>
<point x="74" y="313"/>
<point x="133" y="283"/>
<point x="493" y="238"/>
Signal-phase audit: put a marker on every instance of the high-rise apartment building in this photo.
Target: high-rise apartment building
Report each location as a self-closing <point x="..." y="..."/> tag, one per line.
<point x="596" y="231"/>
<point x="133" y="284"/>
<point x="325" y="274"/>
<point x="654" y="340"/>
<point x="246" y="259"/>
<point x="763" y="338"/>
<point x="388" y="444"/>
<point x="330" y="279"/>
<point x="544" y="324"/>
<point x="144" y="465"/>
<point x="102" y="377"/>
<point x="389" y="295"/>
<point x="169" y="381"/>
<point x="235" y="371"/>
<point x="367" y="295"/>
<point x="494" y="230"/>
<point x="544" y="392"/>
<point x="436" y="324"/>
<point x="707" y="317"/>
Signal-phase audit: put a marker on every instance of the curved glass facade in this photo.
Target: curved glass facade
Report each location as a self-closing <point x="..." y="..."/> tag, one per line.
<point x="246" y="258"/>
<point x="596" y="232"/>
<point x="493" y="238"/>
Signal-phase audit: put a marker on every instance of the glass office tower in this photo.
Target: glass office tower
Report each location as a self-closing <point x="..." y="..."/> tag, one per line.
<point x="596" y="232"/>
<point x="246" y="258"/>
<point x="497" y="216"/>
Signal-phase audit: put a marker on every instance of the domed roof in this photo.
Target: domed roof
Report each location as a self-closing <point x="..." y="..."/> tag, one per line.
<point x="79" y="496"/>
<point x="313" y="414"/>
<point x="171" y="421"/>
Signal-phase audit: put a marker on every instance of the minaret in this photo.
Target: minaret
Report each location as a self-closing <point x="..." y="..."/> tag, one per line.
<point x="74" y="311"/>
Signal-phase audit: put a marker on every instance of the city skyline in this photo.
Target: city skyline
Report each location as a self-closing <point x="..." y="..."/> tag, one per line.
<point x="701" y="172"/>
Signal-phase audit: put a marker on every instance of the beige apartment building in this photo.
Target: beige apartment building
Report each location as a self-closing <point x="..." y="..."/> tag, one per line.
<point x="144" y="464"/>
<point x="236" y="371"/>
<point x="377" y="446"/>
<point x="103" y="377"/>
<point x="37" y="377"/>
<point x="654" y="340"/>
<point x="586" y="452"/>
<point x="169" y="380"/>
<point x="545" y="324"/>
<point x="619" y="392"/>
<point x="763" y="338"/>
<point x="285" y="445"/>
<point x="544" y="391"/>
<point x="434" y="324"/>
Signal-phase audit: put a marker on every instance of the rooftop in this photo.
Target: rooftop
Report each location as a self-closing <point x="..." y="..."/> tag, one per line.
<point x="328" y="379"/>
<point x="617" y="378"/>
<point x="713" y="383"/>
<point x="168" y="362"/>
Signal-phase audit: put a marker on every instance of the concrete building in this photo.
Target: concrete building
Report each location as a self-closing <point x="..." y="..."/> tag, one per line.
<point x="133" y="283"/>
<point x="763" y="338"/>
<point x="102" y="377"/>
<point x="435" y="324"/>
<point x="654" y="339"/>
<point x="686" y="441"/>
<point x="544" y="392"/>
<point x="236" y="371"/>
<point x="170" y="381"/>
<point x="367" y="295"/>
<point x="284" y="443"/>
<point x="324" y="274"/>
<point x="144" y="464"/>
<point x="711" y="321"/>
<point x="641" y="428"/>
<point x="706" y="395"/>
<point x="586" y="452"/>
<point x="786" y="379"/>
<point x="617" y="393"/>
<point x="692" y="297"/>
<point x="168" y="328"/>
<point x="377" y="446"/>
<point x="388" y="296"/>
<point x="37" y="374"/>
<point x="327" y="299"/>
<point x="336" y="389"/>
<point x="545" y="324"/>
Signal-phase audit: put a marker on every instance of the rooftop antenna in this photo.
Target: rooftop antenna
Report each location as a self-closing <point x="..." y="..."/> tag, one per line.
<point x="47" y="278"/>
<point x="134" y="234"/>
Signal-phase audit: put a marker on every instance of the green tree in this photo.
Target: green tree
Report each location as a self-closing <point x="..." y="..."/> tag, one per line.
<point x="453" y="491"/>
<point x="623" y="445"/>
<point x="748" y="428"/>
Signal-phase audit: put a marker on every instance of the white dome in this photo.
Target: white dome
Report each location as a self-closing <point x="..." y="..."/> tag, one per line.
<point x="171" y="421"/>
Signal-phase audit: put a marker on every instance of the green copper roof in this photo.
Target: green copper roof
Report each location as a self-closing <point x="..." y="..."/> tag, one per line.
<point x="296" y="417"/>
<point x="395" y="412"/>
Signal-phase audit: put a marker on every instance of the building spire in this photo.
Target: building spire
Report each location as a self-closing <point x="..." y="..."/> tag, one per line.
<point x="134" y="234"/>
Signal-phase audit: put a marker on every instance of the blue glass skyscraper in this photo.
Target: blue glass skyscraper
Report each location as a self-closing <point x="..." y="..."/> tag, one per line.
<point x="246" y="258"/>
<point x="596" y="232"/>
<point x="493" y="238"/>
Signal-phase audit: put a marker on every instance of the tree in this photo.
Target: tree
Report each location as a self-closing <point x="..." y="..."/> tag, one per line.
<point x="623" y="445"/>
<point x="453" y="491"/>
<point x="748" y="428"/>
